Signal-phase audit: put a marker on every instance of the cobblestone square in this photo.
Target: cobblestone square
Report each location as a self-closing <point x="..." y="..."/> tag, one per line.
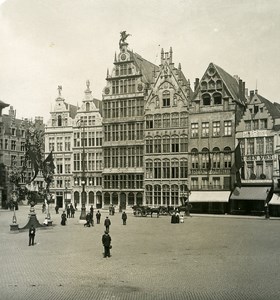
<point x="206" y="257"/>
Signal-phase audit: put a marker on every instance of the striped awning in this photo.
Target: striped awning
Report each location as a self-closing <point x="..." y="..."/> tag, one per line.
<point x="209" y="196"/>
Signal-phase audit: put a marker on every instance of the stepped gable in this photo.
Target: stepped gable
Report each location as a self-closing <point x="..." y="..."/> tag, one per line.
<point x="275" y="113"/>
<point x="147" y="68"/>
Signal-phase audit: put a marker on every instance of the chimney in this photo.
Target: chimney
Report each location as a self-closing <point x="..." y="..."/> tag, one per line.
<point x="196" y="83"/>
<point x="251" y="94"/>
<point x="240" y="89"/>
<point x="244" y="92"/>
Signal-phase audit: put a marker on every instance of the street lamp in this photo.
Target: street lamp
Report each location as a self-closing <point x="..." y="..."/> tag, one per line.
<point x="186" y="198"/>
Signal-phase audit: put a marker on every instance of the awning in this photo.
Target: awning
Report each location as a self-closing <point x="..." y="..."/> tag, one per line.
<point x="250" y="193"/>
<point x="275" y="200"/>
<point x="209" y="196"/>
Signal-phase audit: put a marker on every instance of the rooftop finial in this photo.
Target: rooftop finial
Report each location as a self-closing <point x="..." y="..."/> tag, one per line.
<point x="59" y="88"/>
<point x="88" y="84"/>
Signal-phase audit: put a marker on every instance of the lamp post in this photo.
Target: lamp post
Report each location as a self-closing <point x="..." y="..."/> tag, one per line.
<point x="187" y="201"/>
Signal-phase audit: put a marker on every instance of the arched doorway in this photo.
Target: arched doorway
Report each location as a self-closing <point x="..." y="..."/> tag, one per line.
<point x="131" y="199"/>
<point x="106" y="198"/>
<point x="139" y="199"/>
<point x="98" y="200"/>
<point x="115" y="199"/>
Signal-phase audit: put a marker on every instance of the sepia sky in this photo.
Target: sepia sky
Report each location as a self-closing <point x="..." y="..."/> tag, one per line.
<point x="49" y="43"/>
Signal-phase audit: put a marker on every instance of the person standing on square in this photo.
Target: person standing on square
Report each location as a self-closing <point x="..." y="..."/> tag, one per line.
<point x="32" y="231"/>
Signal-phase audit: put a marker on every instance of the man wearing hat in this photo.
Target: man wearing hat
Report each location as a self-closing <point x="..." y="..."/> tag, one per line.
<point x="106" y="241"/>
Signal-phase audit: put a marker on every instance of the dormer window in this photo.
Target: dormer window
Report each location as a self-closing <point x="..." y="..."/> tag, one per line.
<point x="256" y="109"/>
<point x="166" y="99"/>
<point x="206" y="99"/>
<point x="59" y="121"/>
<point x="217" y="99"/>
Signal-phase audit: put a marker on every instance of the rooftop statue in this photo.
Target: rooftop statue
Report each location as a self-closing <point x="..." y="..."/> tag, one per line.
<point x="124" y="36"/>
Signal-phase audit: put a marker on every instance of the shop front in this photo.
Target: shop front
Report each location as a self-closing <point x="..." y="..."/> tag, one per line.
<point x="274" y="206"/>
<point x="250" y="200"/>
<point x="209" y="202"/>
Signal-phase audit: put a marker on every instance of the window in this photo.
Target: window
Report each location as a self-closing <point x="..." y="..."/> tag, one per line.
<point x="217" y="98"/>
<point x="149" y="145"/>
<point x="157" y="121"/>
<point x="157" y="169"/>
<point x="260" y="146"/>
<point x="216" y="158"/>
<point x="248" y="125"/>
<point x="174" y="120"/>
<point x="149" y="122"/>
<point x="216" y="128"/>
<point x="183" y="143"/>
<point x="166" y="99"/>
<point x="255" y="124"/>
<point x="195" y="158"/>
<point x="205" y="158"/>
<point x="216" y="183"/>
<point x="205" y="129"/>
<point x="256" y="109"/>
<point x="59" y="166"/>
<point x="263" y="124"/>
<point x="149" y="195"/>
<point x="228" y="129"/>
<point x="157" y="195"/>
<point x="175" y="144"/>
<point x="59" y="121"/>
<point x="194" y="130"/>
<point x="166" y="120"/>
<point x="250" y="146"/>
<point x="157" y="144"/>
<point x="183" y="168"/>
<point x="184" y="119"/>
<point x="227" y="157"/>
<point x="67" y="166"/>
<point x="206" y="100"/>
<point x="194" y="183"/>
<point x="76" y="161"/>
<point x="59" y="144"/>
<point x="269" y="145"/>
<point x="13" y="145"/>
<point x="174" y="168"/>
<point x="139" y="156"/>
<point x="166" y="168"/>
<point x="204" y="183"/>
<point x="149" y="169"/>
<point x="166" y="144"/>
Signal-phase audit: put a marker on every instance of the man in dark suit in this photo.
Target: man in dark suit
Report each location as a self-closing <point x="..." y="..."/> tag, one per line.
<point x="106" y="241"/>
<point x="32" y="231"/>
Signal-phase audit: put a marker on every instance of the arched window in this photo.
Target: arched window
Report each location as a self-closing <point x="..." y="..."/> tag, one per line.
<point x="183" y="168"/>
<point x="217" y="98"/>
<point x="91" y="197"/>
<point x="227" y="157"/>
<point x="149" y="195"/>
<point x="166" y="144"/>
<point x="195" y="158"/>
<point x="149" y="168"/>
<point x="174" y="168"/>
<point x="206" y="99"/>
<point x="157" y="144"/>
<point x="205" y="158"/>
<point x="174" y="194"/>
<point x="149" y="144"/>
<point x="157" y="168"/>
<point x="203" y="85"/>
<point x="216" y="158"/>
<point x="87" y="106"/>
<point x="166" y="99"/>
<point x="183" y="143"/>
<point x="59" y="121"/>
<point x="166" y="168"/>
<point x="165" y="195"/>
<point x="157" y="195"/>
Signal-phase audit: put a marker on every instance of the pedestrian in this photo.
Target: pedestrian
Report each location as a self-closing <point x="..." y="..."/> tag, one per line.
<point x="91" y="219"/>
<point x="98" y="217"/>
<point x="32" y="231"/>
<point x="113" y="210"/>
<point x="72" y="211"/>
<point x="43" y="207"/>
<point x="173" y="218"/>
<point x="56" y="208"/>
<point x="91" y="210"/>
<point x="63" y="218"/>
<point x="107" y="224"/>
<point x="106" y="241"/>
<point x="68" y="211"/>
<point x="124" y="218"/>
<point x="177" y="215"/>
<point x="87" y="224"/>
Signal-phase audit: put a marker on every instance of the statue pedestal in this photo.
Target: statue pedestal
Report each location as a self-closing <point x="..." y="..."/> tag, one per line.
<point x="32" y="220"/>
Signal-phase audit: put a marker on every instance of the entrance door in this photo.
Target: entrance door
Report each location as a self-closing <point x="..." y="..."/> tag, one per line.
<point x="59" y="201"/>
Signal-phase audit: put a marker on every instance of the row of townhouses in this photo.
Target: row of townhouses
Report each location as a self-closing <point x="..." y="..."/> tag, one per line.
<point x="153" y="140"/>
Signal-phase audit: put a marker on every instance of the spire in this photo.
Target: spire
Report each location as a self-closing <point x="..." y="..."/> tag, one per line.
<point x="170" y="55"/>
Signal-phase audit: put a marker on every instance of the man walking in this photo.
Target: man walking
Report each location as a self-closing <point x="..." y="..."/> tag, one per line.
<point x="106" y="241"/>
<point x="32" y="231"/>
<point x="107" y="224"/>
<point x="124" y="218"/>
<point x="98" y="217"/>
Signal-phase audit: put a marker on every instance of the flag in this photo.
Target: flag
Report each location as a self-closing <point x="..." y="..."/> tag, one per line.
<point x="238" y="179"/>
<point x="35" y="162"/>
<point x="237" y="157"/>
<point x="48" y="164"/>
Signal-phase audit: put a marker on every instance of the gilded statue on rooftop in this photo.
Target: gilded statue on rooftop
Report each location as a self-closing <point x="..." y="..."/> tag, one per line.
<point x="124" y="36"/>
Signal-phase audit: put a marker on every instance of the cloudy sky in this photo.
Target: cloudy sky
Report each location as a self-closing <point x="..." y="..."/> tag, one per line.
<point x="46" y="43"/>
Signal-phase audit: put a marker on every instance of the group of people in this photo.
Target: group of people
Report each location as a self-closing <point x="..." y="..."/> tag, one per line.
<point x="106" y="238"/>
<point x="176" y="218"/>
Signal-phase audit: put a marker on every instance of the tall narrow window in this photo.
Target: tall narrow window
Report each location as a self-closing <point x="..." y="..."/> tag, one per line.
<point x="166" y="99"/>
